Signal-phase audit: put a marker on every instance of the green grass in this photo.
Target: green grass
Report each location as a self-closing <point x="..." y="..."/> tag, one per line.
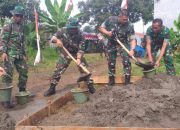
<point x="50" y="56"/>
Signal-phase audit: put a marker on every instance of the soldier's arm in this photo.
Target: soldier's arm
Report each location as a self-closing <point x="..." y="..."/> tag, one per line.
<point x="5" y="37"/>
<point x="57" y="38"/>
<point x="165" y="43"/>
<point x="132" y="40"/>
<point x="103" y="29"/>
<point x="148" y="46"/>
<point x="81" y="50"/>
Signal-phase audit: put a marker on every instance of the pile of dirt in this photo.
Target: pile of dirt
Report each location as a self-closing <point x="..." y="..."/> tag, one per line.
<point x="147" y="103"/>
<point x="6" y="122"/>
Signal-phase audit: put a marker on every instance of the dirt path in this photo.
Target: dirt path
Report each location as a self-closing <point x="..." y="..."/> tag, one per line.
<point x="147" y="103"/>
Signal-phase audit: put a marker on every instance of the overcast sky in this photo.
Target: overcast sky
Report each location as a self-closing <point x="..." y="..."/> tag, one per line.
<point x="168" y="10"/>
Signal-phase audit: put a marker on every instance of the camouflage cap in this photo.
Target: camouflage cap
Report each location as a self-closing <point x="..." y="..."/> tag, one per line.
<point x="72" y="23"/>
<point x="18" y="10"/>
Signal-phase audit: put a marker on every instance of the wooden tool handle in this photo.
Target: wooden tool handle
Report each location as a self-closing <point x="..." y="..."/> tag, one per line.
<point x="82" y="67"/>
<point x="122" y="45"/>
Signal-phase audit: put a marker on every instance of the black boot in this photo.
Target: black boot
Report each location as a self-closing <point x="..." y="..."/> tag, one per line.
<point x="127" y="79"/>
<point x="91" y="88"/>
<point x="22" y="89"/>
<point x="7" y="105"/>
<point x="50" y="91"/>
<point x="111" y="81"/>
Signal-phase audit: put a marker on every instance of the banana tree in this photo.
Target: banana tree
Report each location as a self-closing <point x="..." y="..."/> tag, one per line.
<point x="57" y="17"/>
<point x="175" y="35"/>
<point x="30" y="34"/>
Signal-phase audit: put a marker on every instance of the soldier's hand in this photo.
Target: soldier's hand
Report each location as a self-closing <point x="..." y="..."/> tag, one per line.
<point x="25" y="58"/>
<point x="2" y="71"/>
<point x="157" y="64"/>
<point x="78" y="61"/>
<point x="59" y="43"/>
<point x="131" y="53"/>
<point x="109" y="34"/>
<point x="4" y="57"/>
<point x="151" y="60"/>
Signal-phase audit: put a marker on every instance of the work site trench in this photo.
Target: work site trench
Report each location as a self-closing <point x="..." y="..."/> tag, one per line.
<point x="153" y="103"/>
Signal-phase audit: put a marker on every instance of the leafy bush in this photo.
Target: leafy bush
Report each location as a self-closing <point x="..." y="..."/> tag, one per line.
<point x="175" y="36"/>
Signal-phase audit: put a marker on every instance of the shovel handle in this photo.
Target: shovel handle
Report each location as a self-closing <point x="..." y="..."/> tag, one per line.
<point x="122" y="45"/>
<point x="81" y="66"/>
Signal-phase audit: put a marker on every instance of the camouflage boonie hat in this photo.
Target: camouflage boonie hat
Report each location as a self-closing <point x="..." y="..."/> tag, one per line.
<point x="18" y="10"/>
<point x="72" y="23"/>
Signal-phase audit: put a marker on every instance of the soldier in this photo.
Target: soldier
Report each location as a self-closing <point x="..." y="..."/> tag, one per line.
<point x="71" y="38"/>
<point x="14" y="51"/>
<point x="157" y="38"/>
<point x="119" y="25"/>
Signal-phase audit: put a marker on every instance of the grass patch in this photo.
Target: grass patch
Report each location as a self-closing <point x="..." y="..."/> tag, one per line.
<point x="50" y="56"/>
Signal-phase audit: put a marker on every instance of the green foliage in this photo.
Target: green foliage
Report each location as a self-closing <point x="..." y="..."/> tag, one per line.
<point x="58" y="15"/>
<point x="6" y="6"/>
<point x="175" y="35"/>
<point x="49" y="56"/>
<point x="30" y="34"/>
<point x="99" y="10"/>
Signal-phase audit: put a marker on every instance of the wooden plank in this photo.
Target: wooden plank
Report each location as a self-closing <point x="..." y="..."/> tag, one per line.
<point x="118" y="80"/>
<point x="86" y="128"/>
<point x="51" y="108"/>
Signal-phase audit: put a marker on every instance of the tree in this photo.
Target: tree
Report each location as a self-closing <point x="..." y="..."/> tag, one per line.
<point x="175" y="35"/>
<point x="99" y="10"/>
<point x="57" y="17"/>
<point x="6" y="6"/>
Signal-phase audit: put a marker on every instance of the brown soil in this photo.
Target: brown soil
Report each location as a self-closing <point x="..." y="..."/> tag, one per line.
<point x="6" y="122"/>
<point x="147" y="103"/>
<point x="38" y="83"/>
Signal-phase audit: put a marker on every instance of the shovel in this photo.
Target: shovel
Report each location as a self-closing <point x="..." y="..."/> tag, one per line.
<point x="138" y="63"/>
<point x="83" y="77"/>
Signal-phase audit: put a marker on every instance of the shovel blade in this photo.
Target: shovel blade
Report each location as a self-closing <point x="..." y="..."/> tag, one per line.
<point x="145" y="66"/>
<point x="83" y="77"/>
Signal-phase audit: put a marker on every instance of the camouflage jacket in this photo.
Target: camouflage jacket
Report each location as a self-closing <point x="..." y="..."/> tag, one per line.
<point x="124" y="32"/>
<point x="159" y="38"/>
<point x="73" y="43"/>
<point x="12" y="40"/>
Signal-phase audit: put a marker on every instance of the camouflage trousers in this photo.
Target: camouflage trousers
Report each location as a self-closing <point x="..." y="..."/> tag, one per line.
<point x="21" y="68"/>
<point x="61" y="66"/>
<point x="112" y="55"/>
<point x="168" y="59"/>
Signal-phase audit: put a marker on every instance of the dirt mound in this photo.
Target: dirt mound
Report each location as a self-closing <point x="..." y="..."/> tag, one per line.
<point x="6" y="122"/>
<point x="147" y="103"/>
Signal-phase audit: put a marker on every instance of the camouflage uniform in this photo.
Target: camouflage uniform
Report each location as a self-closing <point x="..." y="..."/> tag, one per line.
<point x="13" y="45"/>
<point x="156" y="44"/>
<point x="74" y="43"/>
<point x="125" y="33"/>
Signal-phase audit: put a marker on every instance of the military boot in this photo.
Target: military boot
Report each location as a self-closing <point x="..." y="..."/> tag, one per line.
<point x="50" y="91"/>
<point x="111" y="82"/>
<point x="22" y="89"/>
<point x="127" y="79"/>
<point x="91" y="88"/>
